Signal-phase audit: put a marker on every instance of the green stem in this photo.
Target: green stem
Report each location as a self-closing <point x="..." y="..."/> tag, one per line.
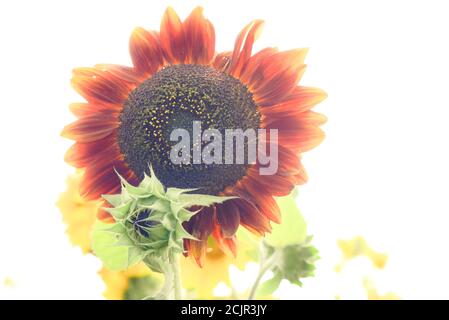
<point x="174" y="261"/>
<point x="265" y="265"/>
<point x="167" y="288"/>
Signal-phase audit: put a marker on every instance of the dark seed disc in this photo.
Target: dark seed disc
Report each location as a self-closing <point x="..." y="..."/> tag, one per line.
<point x="175" y="97"/>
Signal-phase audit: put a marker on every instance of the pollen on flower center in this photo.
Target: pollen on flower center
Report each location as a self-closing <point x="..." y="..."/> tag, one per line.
<point x="174" y="98"/>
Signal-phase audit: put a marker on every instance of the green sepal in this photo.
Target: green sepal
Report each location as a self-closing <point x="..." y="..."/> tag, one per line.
<point x="120" y="211"/>
<point x="115" y="228"/>
<point x="157" y="205"/>
<point x="185" y="215"/>
<point x="183" y="234"/>
<point x="113" y="199"/>
<point x="105" y="247"/>
<point x="124" y="241"/>
<point x="157" y="186"/>
<point x="169" y="221"/>
<point x="203" y="200"/>
<point x="175" y="207"/>
<point x="174" y="193"/>
<point x="133" y="192"/>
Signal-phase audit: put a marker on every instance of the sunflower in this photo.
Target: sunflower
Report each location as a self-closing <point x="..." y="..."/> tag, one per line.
<point x="135" y="283"/>
<point x="177" y="78"/>
<point x="77" y="213"/>
<point x="359" y="247"/>
<point x="215" y="270"/>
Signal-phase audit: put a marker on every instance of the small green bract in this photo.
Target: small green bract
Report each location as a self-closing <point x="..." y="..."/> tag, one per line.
<point x="148" y="223"/>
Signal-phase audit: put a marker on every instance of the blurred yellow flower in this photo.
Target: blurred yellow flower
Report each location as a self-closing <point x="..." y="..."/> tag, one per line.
<point x="215" y="270"/>
<point x="373" y="294"/>
<point x="118" y="283"/>
<point x="357" y="247"/>
<point x="80" y="215"/>
<point x="8" y="282"/>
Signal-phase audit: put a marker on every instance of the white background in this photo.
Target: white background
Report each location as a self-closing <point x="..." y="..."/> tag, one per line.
<point x="382" y="172"/>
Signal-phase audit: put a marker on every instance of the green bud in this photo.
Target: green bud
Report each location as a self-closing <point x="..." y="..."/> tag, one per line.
<point x="148" y="222"/>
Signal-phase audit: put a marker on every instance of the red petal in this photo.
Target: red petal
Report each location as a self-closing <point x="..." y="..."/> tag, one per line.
<point x="244" y="45"/>
<point x="265" y="203"/>
<point x="145" y="51"/>
<point x="82" y="154"/>
<point x="248" y="75"/>
<point x="275" y="185"/>
<point x="250" y="217"/>
<point x="197" y="249"/>
<point x="80" y="109"/>
<point x="294" y="121"/>
<point x="103" y="215"/>
<point x="227" y="245"/>
<point x="200" y="38"/>
<point x="102" y="179"/>
<point x="122" y="72"/>
<point x="302" y="139"/>
<point x="222" y="61"/>
<point x="276" y="76"/>
<point x="172" y="37"/>
<point x="91" y="128"/>
<point x="287" y="160"/>
<point x="301" y="177"/>
<point x="228" y="218"/>
<point x="201" y="224"/>
<point x="86" y="109"/>
<point x="300" y="100"/>
<point x="98" y="86"/>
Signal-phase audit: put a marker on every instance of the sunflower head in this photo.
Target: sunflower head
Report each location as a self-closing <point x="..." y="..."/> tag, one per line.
<point x="178" y="79"/>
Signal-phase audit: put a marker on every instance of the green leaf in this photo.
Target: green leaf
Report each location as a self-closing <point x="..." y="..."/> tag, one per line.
<point x="270" y="286"/>
<point x="252" y="244"/>
<point x="104" y="246"/>
<point x="292" y="229"/>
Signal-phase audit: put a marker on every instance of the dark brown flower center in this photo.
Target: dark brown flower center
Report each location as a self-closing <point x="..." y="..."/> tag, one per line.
<point x="174" y="98"/>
